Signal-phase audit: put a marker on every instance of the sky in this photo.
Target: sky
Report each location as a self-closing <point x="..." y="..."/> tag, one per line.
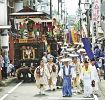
<point x="71" y="5"/>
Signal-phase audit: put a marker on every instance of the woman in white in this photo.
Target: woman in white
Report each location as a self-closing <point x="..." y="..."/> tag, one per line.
<point x="95" y="77"/>
<point x="41" y="75"/>
<point x="86" y="77"/>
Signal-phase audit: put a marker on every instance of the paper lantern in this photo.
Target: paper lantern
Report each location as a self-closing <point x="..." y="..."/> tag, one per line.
<point x="4" y="41"/>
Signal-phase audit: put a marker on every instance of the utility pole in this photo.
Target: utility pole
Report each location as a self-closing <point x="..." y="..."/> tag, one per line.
<point x="88" y="23"/>
<point x="58" y="7"/>
<point x="61" y="9"/>
<point x="51" y="9"/>
<point x="31" y="4"/>
<point x="80" y="14"/>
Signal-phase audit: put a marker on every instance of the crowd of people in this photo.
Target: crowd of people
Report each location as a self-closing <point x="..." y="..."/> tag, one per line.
<point x="72" y="70"/>
<point x="6" y="66"/>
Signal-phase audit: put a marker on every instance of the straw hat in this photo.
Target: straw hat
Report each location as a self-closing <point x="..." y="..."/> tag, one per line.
<point x="73" y="55"/>
<point x="65" y="59"/>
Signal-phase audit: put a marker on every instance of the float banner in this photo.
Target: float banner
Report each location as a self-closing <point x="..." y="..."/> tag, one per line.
<point x="87" y="47"/>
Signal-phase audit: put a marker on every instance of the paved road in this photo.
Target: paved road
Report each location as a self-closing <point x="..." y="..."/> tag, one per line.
<point x="28" y="91"/>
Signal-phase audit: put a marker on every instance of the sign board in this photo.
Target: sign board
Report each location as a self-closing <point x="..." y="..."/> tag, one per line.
<point x="96" y="15"/>
<point x="26" y="40"/>
<point x="96" y="11"/>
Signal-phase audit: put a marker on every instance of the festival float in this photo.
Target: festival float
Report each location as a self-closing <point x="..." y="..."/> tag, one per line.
<point x="28" y="39"/>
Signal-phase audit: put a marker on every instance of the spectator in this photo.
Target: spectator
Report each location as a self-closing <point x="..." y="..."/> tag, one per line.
<point x="1" y="65"/>
<point x="5" y="65"/>
<point x="44" y="58"/>
<point x="59" y="49"/>
<point x="98" y="52"/>
<point x="11" y="69"/>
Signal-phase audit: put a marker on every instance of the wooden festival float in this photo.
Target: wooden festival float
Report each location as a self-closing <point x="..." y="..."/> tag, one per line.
<point x="30" y="36"/>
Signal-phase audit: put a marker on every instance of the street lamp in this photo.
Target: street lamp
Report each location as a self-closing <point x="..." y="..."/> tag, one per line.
<point x="51" y="9"/>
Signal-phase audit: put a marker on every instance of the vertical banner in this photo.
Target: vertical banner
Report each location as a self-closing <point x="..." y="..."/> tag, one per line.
<point x="74" y="36"/>
<point x="96" y="11"/>
<point x="70" y="37"/>
<point x="87" y="47"/>
<point x="96" y="17"/>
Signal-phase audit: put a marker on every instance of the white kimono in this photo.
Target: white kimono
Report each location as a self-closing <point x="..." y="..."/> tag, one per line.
<point x="45" y="75"/>
<point x="95" y="77"/>
<point x="86" y="76"/>
<point x="53" y="75"/>
<point x="44" y="59"/>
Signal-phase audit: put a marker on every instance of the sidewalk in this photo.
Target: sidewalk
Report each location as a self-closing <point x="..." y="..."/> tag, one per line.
<point x="102" y="86"/>
<point x="7" y="81"/>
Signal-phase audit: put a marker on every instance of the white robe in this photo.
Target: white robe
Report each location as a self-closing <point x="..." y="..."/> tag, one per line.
<point x="73" y="69"/>
<point x="44" y="59"/>
<point x="87" y="78"/>
<point x="53" y="75"/>
<point x="45" y="76"/>
<point x="95" y="76"/>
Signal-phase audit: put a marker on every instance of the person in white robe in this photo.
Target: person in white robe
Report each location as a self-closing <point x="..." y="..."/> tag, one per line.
<point x="44" y="58"/>
<point x="95" y="77"/>
<point x="75" y="65"/>
<point x="53" y="70"/>
<point x="60" y="65"/>
<point x="86" y="77"/>
<point x="41" y="75"/>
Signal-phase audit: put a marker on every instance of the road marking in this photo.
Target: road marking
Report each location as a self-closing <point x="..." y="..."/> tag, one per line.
<point x="2" y="98"/>
<point x="95" y="97"/>
<point x="69" y="98"/>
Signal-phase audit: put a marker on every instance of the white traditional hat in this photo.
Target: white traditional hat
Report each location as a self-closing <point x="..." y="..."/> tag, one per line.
<point x="63" y="47"/>
<point x="50" y="57"/>
<point x="81" y="50"/>
<point x="59" y="57"/>
<point x="59" y="42"/>
<point x="80" y="43"/>
<point x="86" y="57"/>
<point x="65" y="59"/>
<point x="73" y="55"/>
<point x="66" y="52"/>
<point x="70" y="49"/>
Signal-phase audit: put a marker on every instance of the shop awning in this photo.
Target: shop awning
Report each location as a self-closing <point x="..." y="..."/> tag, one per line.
<point x="5" y="26"/>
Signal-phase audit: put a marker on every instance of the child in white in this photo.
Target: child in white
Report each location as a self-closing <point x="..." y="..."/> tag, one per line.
<point x="10" y="68"/>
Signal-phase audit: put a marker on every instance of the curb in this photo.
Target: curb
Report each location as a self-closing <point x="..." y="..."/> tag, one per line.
<point x="0" y="89"/>
<point x="7" y="81"/>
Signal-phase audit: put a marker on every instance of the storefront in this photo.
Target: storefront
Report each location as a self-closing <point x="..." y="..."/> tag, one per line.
<point x="4" y="41"/>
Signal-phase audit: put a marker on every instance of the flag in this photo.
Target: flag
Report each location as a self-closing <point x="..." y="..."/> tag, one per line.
<point x="87" y="47"/>
<point x="74" y="36"/>
<point x="70" y="38"/>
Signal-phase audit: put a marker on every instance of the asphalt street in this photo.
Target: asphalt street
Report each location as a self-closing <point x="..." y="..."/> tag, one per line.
<point x="28" y="91"/>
